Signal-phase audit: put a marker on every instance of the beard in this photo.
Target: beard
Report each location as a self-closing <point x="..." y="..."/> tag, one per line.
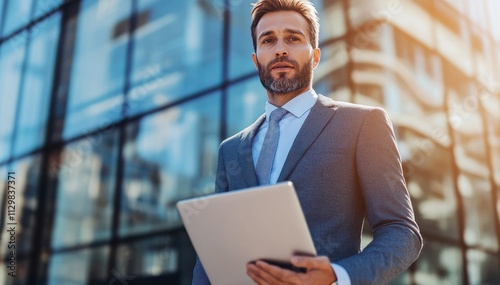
<point x="282" y="84"/>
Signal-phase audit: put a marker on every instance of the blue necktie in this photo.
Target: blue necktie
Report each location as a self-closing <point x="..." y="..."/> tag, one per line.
<point x="269" y="147"/>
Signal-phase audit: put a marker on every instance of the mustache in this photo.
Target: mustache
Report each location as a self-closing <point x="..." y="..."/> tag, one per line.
<point x="282" y="59"/>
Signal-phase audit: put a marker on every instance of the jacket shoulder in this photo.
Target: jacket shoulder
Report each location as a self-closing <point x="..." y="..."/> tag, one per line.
<point x="345" y="106"/>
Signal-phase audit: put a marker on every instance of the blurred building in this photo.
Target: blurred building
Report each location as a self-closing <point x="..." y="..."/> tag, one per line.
<point x="112" y="110"/>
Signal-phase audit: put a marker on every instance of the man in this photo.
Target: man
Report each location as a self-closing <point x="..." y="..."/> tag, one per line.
<point x="341" y="157"/>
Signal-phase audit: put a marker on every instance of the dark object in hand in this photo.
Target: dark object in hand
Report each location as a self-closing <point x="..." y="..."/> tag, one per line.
<point x="284" y="265"/>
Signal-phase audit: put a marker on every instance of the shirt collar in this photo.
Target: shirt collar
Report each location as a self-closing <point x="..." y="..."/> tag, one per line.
<point x="298" y="106"/>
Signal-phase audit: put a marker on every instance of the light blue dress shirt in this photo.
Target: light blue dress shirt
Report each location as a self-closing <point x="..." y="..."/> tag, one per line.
<point x="298" y="109"/>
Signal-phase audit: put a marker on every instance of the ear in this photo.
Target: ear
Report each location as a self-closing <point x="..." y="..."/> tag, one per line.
<point x="316" y="57"/>
<point x="255" y="62"/>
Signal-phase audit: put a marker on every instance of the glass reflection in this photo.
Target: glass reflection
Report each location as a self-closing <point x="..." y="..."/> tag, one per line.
<point x="3" y="187"/>
<point x="11" y="60"/>
<point x="423" y="66"/>
<point x="494" y="140"/>
<point x="482" y="267"/>
<point x="479" y="211"/>
<point x="45" y="6"/>
<point x="98" y="65"/>
<point x="331" y="75"/>
<point x="35" y="100"/>
<point x="483" y="55"/>
<point x="169" y="156"/>
<point x="246" y="102"/>
<point x="428" y="168"/>
<point x="476" y="10"/>
<point x="460" y="5"/>
<point x="170" y="255"/>
<point x="332" y="18"/>
<point x="17" y="14"/>
<point x="177" y="51"/>
<point x="21" y="273"/>
<point x="439" y="264"/>
<point x="87" y="266"/>
<point x="84" y="177"/>
<point x="2" y="4"/>
<point x="470" y="156"/>
<point x="26" y="189"/>
<point x="494" y="5"/>
<point x="240" y="39"/>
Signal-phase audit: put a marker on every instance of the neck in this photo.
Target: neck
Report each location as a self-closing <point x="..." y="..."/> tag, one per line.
<point x="279" y="100"/>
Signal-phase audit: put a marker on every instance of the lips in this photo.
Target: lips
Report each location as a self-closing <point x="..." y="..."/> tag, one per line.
<point x="282" y="65"/>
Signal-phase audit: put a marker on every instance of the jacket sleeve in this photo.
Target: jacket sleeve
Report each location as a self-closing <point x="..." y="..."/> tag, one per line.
<point x="396" y="238"/>
<point x="221" y="185"/>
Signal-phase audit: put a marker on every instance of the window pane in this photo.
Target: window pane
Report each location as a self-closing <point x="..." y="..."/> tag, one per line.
<point x="246" y="102"/>
<point x="17" y="14"/>
<point x="491" y="103"/>
<point x="85" y="187"/>
<point x="37" y="86"/>
<point x="483" y="267"/>
<point x="428" y="168"/>
<point x="25" y="189"/>
<point x="493" y="6"/>
<point x="44" y="6"/>
<point x="169" y="256"/>
<point x="483" y="53"/>
<point x="460" y="5"/>
<point x="454" y="41"/>
<point x="468" y="129"/>
<point x="479" y="211"/>
<point x="11" y="60"/>
<point x="421" y="72"/>
<point x="169" y="156"/>
<point x="477" y="12"/>
<point x="177" y="51"/>
<point x="4" y="170"/>
<point x="87" y="266"/>
<point x="21" y="273"/>
<point x="240" y="40"/>
<point x="98" y="65"/>
<point x="331" y="17"/>
<point x="331" y="75"/>
<point x="2" y="3"/>
<point x="470" y="156"/>
<point x="439" y="264"/>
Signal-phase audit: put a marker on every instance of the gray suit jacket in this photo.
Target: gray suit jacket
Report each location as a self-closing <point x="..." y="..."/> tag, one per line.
<point x="344" y="164"/>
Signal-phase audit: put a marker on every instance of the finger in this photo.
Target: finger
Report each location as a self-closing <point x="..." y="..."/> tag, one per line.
<point x="277" y="274"/>
<point x="259" y="275"/>
<point x="311" y="263"/>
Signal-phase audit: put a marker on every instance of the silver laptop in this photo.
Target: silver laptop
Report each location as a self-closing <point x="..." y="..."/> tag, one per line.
<point x="228" y="230"/>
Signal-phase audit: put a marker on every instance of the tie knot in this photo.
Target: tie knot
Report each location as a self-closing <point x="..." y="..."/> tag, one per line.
<point x="277" y="115"/>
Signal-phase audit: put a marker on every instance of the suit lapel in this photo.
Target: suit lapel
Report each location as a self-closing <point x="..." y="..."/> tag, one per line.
<point x="245" y="152"/>
<point x="318" y="118"/>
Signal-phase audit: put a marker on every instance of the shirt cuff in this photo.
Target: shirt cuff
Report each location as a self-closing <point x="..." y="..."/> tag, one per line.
<point x="342" y="276"/>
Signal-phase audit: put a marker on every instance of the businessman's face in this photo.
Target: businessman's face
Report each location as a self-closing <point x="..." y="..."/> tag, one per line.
<point x="284" y="55"/>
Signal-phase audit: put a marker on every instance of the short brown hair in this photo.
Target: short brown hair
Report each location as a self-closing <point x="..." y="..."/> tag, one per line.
<point x="303" y="7"/>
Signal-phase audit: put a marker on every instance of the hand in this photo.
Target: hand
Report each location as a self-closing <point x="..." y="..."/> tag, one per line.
<point x="319" y="271"/>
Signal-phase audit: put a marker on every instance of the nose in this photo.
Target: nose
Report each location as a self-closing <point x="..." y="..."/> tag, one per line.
<point x="280" y="50"/>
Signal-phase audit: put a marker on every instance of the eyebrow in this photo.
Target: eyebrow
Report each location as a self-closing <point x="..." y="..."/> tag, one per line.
<point x="288" y="31"/>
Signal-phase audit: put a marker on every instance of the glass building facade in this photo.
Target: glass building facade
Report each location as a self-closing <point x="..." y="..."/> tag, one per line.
<point x="112" y="110"/>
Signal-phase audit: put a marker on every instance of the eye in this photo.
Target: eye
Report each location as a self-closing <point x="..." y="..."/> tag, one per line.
<point x="267" y="41"/>
<point x="294" y="39"/>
